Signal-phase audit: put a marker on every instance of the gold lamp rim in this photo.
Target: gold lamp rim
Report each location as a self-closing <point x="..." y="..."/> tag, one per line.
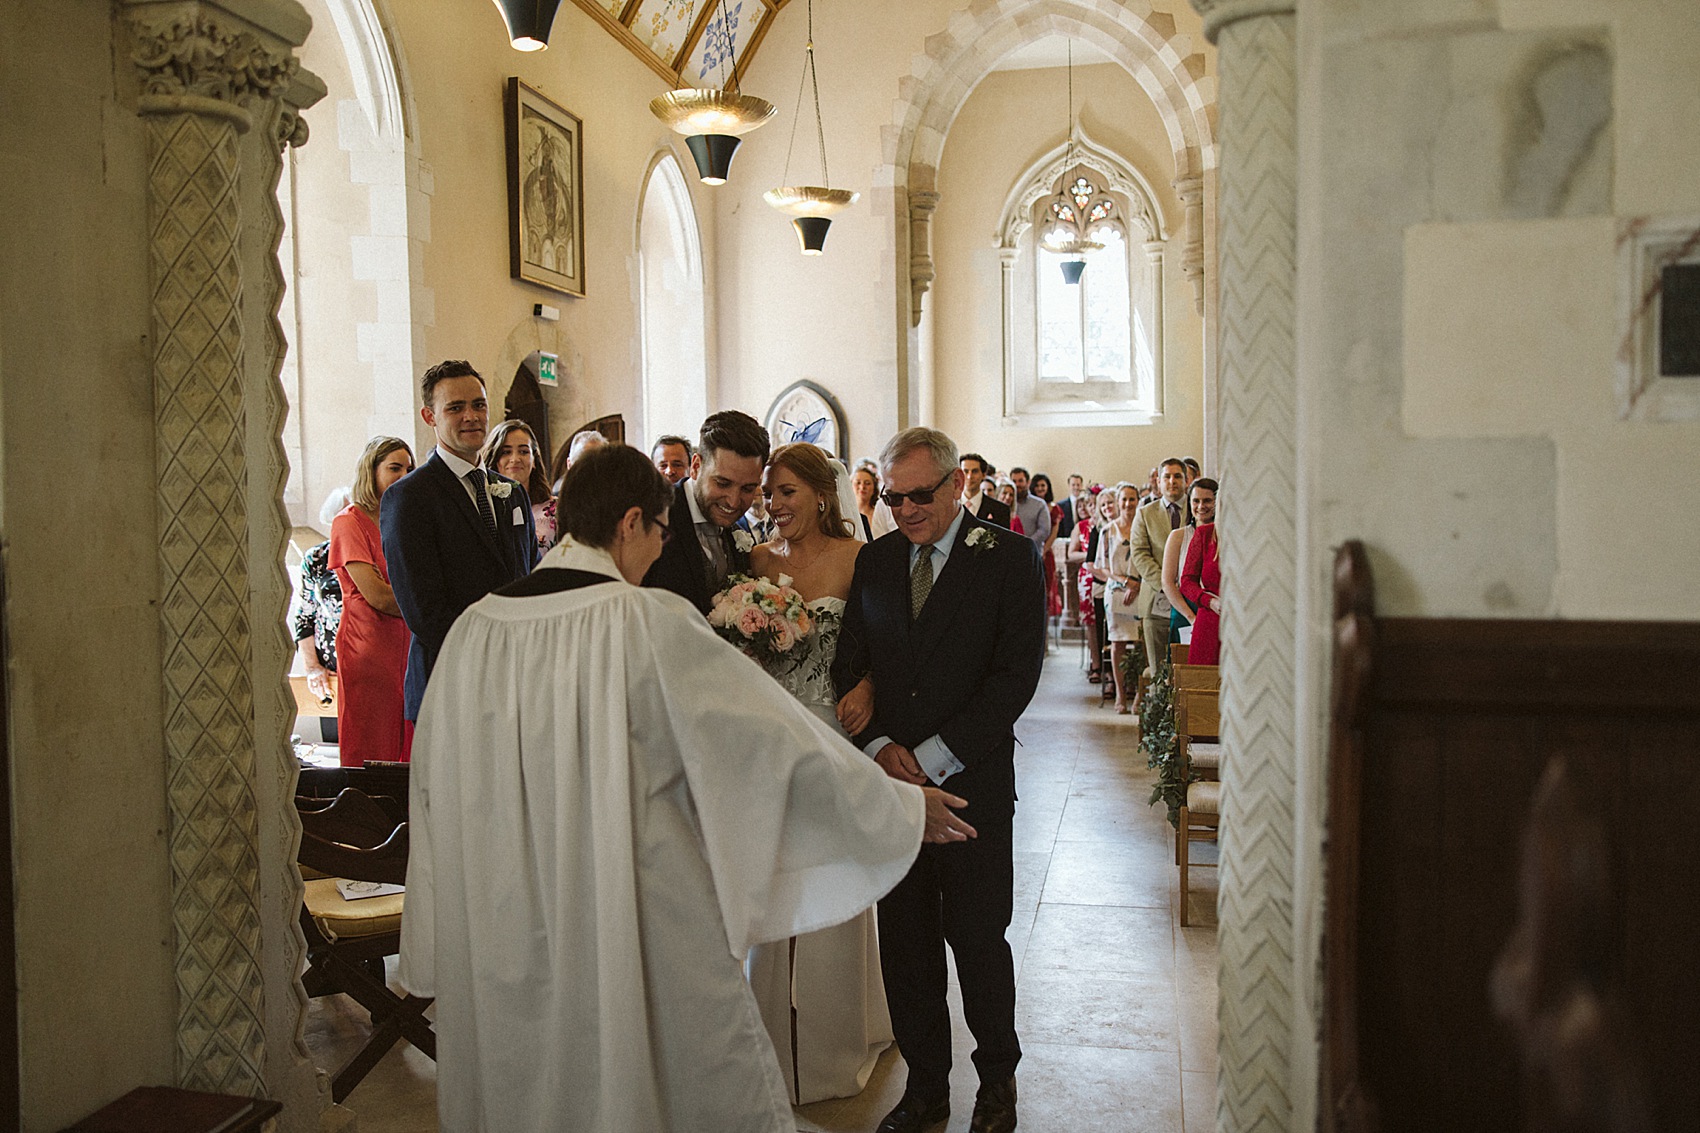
<point x="810" y="200"/>
<point x="1072" y="247"/>
<point x="692" y="110"/>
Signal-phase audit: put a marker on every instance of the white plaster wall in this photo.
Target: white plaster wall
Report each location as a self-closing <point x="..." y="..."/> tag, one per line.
<point x="458" y="59"/>
<point x="97" y="1001"/>
<point x="1010" y="121"/>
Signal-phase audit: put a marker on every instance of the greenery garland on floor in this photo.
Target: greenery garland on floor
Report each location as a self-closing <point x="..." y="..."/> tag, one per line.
<point x="1157" y="736"/>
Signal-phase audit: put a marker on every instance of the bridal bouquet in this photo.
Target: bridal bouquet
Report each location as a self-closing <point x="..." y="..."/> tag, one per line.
<point x="764" y="619"/>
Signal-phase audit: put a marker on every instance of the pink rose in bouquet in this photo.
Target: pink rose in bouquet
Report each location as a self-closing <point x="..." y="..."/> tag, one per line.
<point x="764" y="619"/>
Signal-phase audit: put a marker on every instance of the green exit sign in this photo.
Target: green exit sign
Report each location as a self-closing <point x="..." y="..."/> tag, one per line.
<point x="547" y="372"/>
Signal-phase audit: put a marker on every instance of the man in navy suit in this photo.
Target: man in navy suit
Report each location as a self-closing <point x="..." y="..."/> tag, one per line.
<point x="452" y="531"/>
<point x="706" y="543"/>
<point x="948" y="615"/>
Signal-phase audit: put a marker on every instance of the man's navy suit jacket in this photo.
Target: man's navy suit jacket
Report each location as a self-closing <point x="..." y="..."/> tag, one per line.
<point x="442" y="557"/>
<point x="964" y="670"/>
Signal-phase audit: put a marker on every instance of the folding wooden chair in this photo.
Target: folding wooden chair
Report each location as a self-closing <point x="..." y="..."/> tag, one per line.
<point x="354" y="838"/>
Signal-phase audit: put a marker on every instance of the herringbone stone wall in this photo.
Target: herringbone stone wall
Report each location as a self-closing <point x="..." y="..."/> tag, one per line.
<point x="1257" y="215"/>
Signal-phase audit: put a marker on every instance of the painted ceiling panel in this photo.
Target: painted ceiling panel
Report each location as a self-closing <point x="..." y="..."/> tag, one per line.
<point x="664" y="25"/>
<point x="689" y="42"/>
<point x="729" y="32"/>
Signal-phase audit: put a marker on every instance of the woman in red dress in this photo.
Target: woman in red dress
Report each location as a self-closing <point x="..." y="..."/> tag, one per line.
<point x="371" y="642"/>
<point x="1201" y="582"/>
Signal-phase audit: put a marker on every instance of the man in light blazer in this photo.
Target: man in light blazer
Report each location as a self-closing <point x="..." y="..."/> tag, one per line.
<point x="452" y="530"/>
<point x="1151" y="527"/>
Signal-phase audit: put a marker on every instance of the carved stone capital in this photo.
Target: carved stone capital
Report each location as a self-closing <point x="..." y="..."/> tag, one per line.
<point x="922" y="202"/>
<point x="192" y="53"/>
<point x="1218" y="14"/>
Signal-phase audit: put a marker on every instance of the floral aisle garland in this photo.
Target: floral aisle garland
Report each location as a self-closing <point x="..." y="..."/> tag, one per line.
<point x="1162" y="748"/>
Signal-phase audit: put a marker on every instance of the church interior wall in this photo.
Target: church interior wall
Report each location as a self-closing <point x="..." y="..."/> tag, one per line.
<point x="1010" y="120"/>
<point x="1465" y="171"/>
<point x="97" y="999"/>
<point x="458" y="61"/>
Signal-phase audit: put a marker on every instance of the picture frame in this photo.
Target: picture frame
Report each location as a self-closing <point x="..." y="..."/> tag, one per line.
<point x="806" y="411"/>
<point x="545" y="144"/>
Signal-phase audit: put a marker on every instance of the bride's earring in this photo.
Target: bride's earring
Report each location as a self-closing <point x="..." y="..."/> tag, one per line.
<point x="822" y="508"/>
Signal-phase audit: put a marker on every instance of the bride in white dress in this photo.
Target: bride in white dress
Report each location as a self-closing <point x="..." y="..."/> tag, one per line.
<point x="821" y="995"/>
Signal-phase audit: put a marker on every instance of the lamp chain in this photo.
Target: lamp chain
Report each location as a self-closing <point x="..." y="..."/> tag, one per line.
<point x="810" y="77"/>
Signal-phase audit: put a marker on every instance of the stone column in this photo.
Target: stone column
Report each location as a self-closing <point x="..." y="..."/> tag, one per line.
<point x="207" y="77"/>
<point x="922" y="202"/>
<point x="1257" y="215"/>
<point x="1190" y="191"/>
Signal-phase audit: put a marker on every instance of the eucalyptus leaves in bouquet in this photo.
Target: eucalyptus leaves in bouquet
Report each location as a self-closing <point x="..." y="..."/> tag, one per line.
<point x="1162" y="747"/>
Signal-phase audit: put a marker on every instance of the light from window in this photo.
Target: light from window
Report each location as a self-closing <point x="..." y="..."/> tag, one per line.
<point x="1086" y="332"/>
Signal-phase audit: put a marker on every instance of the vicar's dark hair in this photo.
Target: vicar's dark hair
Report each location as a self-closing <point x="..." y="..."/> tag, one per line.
<point x="604" y="484"/>
<point x="735" y="432"/>
<point x="442" y="371"/>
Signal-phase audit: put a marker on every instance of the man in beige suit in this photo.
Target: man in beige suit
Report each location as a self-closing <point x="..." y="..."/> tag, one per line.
<point x="1151" y="527"/>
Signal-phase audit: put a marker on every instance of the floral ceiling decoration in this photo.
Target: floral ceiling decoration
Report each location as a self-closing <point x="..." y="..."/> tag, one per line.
<point x="687" y="41"/>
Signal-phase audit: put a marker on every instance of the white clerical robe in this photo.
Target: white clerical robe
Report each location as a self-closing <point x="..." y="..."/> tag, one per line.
<point x="610" y="805"/>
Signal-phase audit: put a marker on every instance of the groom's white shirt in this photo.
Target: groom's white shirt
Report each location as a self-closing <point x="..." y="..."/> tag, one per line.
<point x="932" y="753"/>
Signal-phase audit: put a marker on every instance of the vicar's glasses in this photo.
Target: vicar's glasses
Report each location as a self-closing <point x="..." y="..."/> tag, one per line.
<point x="922" y="496"/>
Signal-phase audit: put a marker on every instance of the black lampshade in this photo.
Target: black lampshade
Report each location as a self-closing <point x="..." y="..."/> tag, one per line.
<point x="1073" y="270"/>
<point x="811" y="233"/>
<point x="713" y="153"/>
<point x="529" y="22"/>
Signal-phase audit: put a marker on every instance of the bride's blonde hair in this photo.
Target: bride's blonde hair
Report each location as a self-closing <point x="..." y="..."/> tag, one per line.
<point x="809" y="464"/>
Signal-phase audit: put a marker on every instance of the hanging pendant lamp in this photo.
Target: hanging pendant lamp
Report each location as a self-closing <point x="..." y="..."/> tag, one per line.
<point x="812" y="207"/>
<point x="1067" y="235"/>
<point x="528" y="22"/>
<point x="713" y="121"/>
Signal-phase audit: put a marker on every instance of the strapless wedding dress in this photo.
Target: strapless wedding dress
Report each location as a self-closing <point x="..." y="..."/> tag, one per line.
<point x="821" y="995"/>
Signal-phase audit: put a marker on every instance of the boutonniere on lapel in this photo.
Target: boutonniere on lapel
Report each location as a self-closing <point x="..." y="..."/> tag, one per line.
<point x="743" y="540"/>
<point x="981" y="539"/>
<point x="499" y="489"/>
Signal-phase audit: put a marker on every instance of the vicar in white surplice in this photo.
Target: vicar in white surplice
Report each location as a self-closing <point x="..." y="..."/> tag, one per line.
<point x="610" y="805"/>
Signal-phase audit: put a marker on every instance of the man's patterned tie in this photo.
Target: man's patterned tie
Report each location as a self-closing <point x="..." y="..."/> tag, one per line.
<point x="920" y="581"/>
<point x="476" y="476"/>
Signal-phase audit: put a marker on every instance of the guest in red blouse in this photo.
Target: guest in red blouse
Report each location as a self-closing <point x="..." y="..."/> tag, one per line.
<point x="1201" y="582"/>
<point x="372" y="641"/>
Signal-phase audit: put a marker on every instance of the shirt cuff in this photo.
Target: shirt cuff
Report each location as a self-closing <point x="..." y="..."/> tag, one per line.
<point x="936" y="759"/>
<point x="873" y="749"/>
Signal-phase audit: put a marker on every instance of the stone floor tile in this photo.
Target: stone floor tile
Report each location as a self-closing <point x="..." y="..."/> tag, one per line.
<point x="1073" y="1089"/>
<point x="1100" y="873"/>
<point x="1103" y="938"/>
<point x="1100" y="1009"/>
<point x="1198" y="1101"/>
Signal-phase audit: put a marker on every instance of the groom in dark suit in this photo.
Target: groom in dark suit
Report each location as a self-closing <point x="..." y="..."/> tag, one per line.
<point x="706" y="544"/>
<point x="452" y="531"/>
<point x="951" y="676"/>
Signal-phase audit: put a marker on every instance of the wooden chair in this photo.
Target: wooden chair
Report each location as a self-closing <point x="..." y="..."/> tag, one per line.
<point x="355" y="838"/>
<point x="1197" y="721"/>
<point x="1205" y="677"/>
<point x="1178" y="653"/>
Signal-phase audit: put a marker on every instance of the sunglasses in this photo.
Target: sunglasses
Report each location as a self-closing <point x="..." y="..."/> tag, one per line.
<point x="923" y="496"/>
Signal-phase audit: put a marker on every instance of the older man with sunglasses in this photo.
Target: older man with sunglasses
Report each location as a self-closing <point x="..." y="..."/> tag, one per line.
<point x="951" y="676"/>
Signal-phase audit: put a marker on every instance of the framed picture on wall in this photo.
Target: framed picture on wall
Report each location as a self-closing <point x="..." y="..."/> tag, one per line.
<point x="545" y="191"/>
<point x="806" y="412"/>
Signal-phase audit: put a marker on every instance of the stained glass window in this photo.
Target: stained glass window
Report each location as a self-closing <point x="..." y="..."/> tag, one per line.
<point x="1086" y="330"/>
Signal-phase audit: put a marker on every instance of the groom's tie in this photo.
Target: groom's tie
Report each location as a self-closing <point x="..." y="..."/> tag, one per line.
<point x="920" y="581"/>
<point x="485" y="511"/>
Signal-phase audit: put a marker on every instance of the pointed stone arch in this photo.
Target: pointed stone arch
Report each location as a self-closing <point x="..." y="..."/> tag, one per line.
<point x="1168" y="64"/>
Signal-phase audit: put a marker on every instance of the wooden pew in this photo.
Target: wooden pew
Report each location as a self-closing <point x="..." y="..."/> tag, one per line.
<point x="1197" y="720"/>
<point x="1441" y="731"/>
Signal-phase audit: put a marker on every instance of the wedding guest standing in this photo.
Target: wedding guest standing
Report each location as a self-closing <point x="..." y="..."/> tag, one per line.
<point x="1122" y="582"/>
<point x="1200" y="508"/>
<point x="372" y="638"/>
<point x="1201" y="583"/>
<point x="951" y="676"/>
<point x="453" y="531"/>
<point x="610" y="806"/>
<point x="725" y="477"/>
<point x="865" y="482"/>
<point x="512" y="451"/>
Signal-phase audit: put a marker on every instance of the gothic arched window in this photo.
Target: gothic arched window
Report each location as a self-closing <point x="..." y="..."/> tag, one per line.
<point x="1086" y="353"/>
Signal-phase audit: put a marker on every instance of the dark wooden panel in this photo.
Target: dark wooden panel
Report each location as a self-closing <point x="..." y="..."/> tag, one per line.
<point x="1442" y="732"/>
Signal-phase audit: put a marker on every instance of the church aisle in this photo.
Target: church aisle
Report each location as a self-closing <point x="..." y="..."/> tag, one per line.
<point x="1116" y="1003"/>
